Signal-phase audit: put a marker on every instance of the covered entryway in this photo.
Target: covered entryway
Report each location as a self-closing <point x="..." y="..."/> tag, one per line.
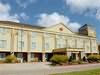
<point x="74" y="52"/>
<point x="60" y="51"/>
<point x="76" y="55"/>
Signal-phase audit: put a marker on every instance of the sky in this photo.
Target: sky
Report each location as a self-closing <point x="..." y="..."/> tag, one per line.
<point x="73" y="13"/>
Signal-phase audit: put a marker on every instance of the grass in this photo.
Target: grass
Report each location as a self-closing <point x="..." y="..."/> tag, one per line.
<point x="89" y="72"/>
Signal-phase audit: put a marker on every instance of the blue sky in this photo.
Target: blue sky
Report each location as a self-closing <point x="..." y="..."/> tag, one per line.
<point x="73" y="13"/>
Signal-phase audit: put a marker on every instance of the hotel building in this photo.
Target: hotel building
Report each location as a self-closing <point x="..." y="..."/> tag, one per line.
<point x="28" y="41"/>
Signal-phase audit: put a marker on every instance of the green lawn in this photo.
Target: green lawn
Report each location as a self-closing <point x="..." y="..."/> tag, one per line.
<point x="89" y="72"/>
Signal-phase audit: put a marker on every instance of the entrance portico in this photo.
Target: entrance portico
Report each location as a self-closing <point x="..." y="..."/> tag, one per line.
<point x="76" y="53"/>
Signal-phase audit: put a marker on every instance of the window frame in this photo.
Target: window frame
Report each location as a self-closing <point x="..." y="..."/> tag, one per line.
<point x="3" y="43"/>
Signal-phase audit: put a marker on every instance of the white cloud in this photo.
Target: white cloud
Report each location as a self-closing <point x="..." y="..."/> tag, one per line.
<point x="74" y="26"/>
<point x="7" y="17"/>
<point x="84" y="6"/>
<point x="51" y="19"/>
<point x="24" y="3"/>
<point x="98" y="15"/>
<point x="4" y="8"/>
<point x="55" y="18"/>
<point x="24" y="16"/>
<point x="5" y="13"/>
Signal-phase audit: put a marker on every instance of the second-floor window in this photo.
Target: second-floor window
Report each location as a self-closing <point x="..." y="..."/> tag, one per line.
<point x="58" y="45"/>
<point x="2" y="55"/>
<point x="47" y="46"/>
<point x="3" y="30"/>
<point x="34" y="34"/>
<point x="20" y="44"/>
<point x="20" y="33"/>
<point x="3" y="43"/>
<point x="33" y="45"/>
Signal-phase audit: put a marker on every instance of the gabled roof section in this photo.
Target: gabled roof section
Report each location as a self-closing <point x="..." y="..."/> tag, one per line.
<point x="59" y="28"/>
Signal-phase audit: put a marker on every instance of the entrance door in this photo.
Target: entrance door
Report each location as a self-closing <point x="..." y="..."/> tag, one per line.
<point x="73" y="56"/>
<point x="79" y="55"/>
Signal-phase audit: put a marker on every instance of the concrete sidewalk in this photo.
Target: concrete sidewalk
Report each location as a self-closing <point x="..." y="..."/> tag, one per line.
<point x="41" y="68"/>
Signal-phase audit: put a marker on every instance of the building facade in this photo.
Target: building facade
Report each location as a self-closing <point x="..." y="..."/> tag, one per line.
<point x="28" y="42"/>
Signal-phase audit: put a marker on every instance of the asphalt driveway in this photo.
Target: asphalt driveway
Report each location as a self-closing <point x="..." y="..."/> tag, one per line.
<point x="41" y="68"/>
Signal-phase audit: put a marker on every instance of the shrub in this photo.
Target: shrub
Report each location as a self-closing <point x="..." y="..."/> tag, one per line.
<point x="1" y="61"/>
<point x="35" y="59"/>
<point x="59" y="59"/>
<point x="11" y="59"/>
<point x="93" y="58"/>
<point x="77" y="62"/>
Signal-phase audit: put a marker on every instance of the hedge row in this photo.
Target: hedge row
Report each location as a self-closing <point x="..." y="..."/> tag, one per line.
<point x="93" y="58"/>
<point x="60" y="59"/>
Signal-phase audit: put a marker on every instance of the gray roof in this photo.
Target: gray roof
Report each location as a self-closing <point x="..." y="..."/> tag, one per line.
<point x="22" y="25"/>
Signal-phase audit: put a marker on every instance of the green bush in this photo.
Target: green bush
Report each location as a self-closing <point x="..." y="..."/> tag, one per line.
<point x="77" y="62"/>
<point x="59" y="59"/>
<point x="1" y="61"/>
<point x="35" y="59"/>
<point x="93" y="58"/>
<point x="11" y="59"/>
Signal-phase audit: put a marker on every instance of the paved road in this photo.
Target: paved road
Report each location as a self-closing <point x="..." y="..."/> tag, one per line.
<point x="41" y="68"/>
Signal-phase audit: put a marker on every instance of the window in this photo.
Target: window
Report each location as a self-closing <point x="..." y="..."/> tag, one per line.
<point x="58" y="45"/>
<point x="47" y="35"/>
<point x="33" y="45"/>
<point x="71" y="43"/>
<point x="32" y="55"/>
<point x="3" y="43"/>
<point x="47" y="45"/>
<point x="19" y="55"/>
<point x="20" y="33"/>
<point x="88" y="48"/>
<point x="34" y="34"/>
<point x="2" y="55"/>
<point x="20" y="44"/>
<point x="3" y="30"/>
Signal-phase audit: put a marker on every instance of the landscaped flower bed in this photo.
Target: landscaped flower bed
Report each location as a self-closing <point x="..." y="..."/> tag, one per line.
<point x="64" y="60"/>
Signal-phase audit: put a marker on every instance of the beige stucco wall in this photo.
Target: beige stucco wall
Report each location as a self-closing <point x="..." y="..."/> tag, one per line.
<point x="66" y="39"/>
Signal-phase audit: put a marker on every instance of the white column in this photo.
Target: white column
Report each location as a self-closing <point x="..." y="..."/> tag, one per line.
<point x="77" y="57"/>
<point x="82" y="55"/>
<point x="43" y="57"/>
<point x="68" y="54"/>
<point x="28" y="57"/>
